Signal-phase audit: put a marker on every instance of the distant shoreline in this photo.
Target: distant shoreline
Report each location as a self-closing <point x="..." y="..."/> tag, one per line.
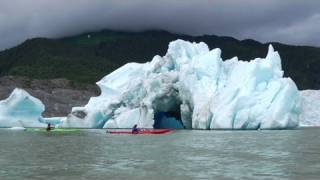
<point x="58" y="95"/>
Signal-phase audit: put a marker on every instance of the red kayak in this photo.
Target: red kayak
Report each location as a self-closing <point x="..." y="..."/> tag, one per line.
<point x="141" y="131"/>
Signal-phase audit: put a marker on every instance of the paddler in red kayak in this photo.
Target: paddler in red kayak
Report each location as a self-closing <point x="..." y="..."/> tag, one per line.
<point x="135" y="129"/>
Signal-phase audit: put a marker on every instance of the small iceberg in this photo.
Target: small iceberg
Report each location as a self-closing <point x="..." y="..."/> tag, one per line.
<point x="17" y="128"/>
<point x="21" y="109"/>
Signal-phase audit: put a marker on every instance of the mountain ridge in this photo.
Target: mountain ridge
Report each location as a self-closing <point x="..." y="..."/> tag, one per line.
<point x="87" y="57"/>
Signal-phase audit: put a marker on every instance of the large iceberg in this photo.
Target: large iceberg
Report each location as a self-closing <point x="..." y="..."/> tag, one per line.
<point x="192" y="87"/>
<point x="21" y="109"/>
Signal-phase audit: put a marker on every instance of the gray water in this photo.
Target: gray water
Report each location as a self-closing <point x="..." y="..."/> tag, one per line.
<point x="93" y="154"/>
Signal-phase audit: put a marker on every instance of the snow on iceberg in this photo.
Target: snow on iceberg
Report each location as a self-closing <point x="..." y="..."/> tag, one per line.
<point x="193" y="87"/>
<point x="20" y="109"/>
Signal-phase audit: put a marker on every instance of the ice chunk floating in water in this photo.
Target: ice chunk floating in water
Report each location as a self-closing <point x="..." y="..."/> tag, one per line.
<point x="20" y="109"/>
<point x="195" y="83"/>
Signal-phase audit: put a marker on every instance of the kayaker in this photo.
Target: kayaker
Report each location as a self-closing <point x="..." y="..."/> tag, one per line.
<point x="49" y="128"/>
<point x="135" y="129"/>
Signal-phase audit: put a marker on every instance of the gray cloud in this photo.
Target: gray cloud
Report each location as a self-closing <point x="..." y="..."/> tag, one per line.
<point x="287" y="21"/>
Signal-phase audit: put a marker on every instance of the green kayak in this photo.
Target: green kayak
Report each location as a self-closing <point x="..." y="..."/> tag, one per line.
<point x="53" y="130"/>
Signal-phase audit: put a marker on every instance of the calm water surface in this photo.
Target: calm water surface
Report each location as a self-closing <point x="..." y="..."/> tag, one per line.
<point x="92" y="154"/>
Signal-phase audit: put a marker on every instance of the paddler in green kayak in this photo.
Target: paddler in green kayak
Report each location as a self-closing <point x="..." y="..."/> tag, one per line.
<point x="49" y="128"/>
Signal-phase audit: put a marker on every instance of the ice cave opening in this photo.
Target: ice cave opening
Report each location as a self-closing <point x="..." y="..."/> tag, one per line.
<point x="171" y="120"/>
<point x="166" y="110"/>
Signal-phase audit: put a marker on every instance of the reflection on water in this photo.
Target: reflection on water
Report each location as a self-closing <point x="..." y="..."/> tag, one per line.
<point x="93" y="154"/>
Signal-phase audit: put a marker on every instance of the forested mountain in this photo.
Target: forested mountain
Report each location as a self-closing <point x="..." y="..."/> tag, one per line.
<point x="88" y="57"/>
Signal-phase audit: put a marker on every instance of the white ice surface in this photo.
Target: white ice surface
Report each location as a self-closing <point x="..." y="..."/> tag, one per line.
<point x="21" y="109"/>
<point x="310" y="113"/>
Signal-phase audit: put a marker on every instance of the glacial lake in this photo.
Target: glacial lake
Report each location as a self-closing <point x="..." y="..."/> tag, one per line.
<point x="184" y="154"/>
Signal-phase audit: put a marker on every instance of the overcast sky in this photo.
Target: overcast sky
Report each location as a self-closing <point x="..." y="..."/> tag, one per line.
<point x="287" y="21"/>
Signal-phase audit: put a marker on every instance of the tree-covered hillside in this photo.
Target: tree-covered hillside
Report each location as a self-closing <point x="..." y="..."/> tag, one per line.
<point x="88" y="57"/>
